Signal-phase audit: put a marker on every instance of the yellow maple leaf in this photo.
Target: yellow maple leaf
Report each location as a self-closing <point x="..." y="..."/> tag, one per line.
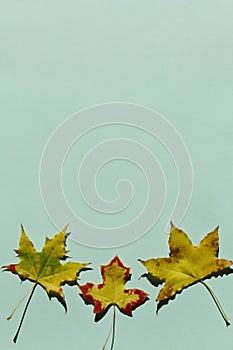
<point x="186" y="265"/>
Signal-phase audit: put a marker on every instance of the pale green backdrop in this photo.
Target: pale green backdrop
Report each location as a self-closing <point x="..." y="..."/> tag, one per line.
<point x="58" y="57"/>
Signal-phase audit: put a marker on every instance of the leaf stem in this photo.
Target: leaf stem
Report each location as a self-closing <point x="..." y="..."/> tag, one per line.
<point x="24" y="313"/>
<point x="217" y="303"/>
<point x="112" y="330"/>
<point x="16" y="307"/>
<point x="113" y="326"/>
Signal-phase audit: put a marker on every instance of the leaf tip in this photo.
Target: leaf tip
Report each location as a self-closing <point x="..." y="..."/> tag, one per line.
<point x="172" y="225"/>
<point x="143" y="262"/>
<point x="65" y="229"/>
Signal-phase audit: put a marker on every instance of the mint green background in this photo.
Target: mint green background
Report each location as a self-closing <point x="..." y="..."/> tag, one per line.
<point x="175" y="57"/>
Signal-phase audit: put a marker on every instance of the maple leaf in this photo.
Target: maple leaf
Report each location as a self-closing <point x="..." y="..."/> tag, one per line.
<point x="112" y="291"/>
<point x="44" y="268"/>
<point x="186" y="266"/>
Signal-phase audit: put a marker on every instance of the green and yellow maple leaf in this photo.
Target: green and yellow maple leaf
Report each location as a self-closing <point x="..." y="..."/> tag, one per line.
<point x="44" y="268"/>
<point x="186" y="265"/>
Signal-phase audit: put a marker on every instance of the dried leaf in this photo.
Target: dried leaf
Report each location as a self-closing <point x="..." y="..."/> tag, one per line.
<point x="112" y="291"/>
<point x="186" y="265"/>
<point x="44" y="267"/>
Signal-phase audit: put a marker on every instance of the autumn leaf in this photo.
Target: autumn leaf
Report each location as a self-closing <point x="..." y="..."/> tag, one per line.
<point x="44" y="268"/>
<point x="112" y="292"/>
<point x="187" y="265"/>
